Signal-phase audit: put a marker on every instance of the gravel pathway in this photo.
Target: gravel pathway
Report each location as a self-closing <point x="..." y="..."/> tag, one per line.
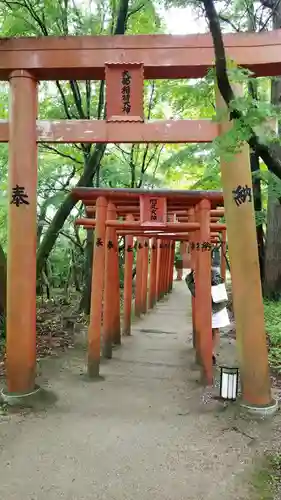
<point x="147" y="431"/>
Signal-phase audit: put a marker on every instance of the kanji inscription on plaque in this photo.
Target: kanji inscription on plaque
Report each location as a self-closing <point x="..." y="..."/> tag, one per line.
<point x="124" y="92"/>
<point x="153" y="210"/>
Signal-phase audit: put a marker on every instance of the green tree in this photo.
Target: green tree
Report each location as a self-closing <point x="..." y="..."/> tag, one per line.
<point x="79" y="165"/>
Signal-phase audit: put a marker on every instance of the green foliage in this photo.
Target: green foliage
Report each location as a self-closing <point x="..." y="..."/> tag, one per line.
<point x="266" y="477"/>
<point x="182" y="166"/>
<point x="272" y="314"/>
<point x="61" y="166"/>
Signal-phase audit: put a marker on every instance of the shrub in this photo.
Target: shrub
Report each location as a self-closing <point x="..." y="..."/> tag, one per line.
<point x="272" y="315"/>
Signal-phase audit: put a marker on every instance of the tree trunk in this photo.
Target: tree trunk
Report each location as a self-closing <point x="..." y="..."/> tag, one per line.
<point x="67" y="285"/>
<point x="45" y="279"/>
<point x="41" y="221"/>
<point x="266" y="152"/>
<point x="255" y="169"/>
<point x="85" y="303"/>
<point x="272" y="277"/>
<point x="90" y="170"/>
<point x="64" y="210"/>
<point x="75" y="273"/>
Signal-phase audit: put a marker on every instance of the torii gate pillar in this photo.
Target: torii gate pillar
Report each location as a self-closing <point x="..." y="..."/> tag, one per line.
<point x="21" y="265"/>
<point x="247" y="293"/>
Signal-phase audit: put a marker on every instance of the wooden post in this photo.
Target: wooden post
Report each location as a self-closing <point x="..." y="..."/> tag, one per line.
<point x="223" y="254"/>
<point x="196" y="255"/>
<point x="94" y="330"/>
<point x="169" y="266"/>
<point x="21" y="255"/>
<point x="109" y="285"/>
<point x="144" y="276"/>
<point x="203" y="295"/>
<point x="116" y="281"/>
<point x="172" y="265"/>
<point x="158" y="268"/>
<point x="166" y="267"/>
<point x="138" y="277"/>
<point x="128" y="283"/>
<point x="192" y="243"/>
<point x="162" y="270"/>
<point x="246" y="285"/>
<point x="152" y="273"/>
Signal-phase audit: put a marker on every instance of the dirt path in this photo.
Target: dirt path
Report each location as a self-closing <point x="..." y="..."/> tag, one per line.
<point x="145" y="432"/>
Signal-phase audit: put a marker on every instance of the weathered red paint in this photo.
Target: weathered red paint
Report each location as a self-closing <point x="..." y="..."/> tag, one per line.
<point x="158" y="269"/>
<point x="109" y="287"/>
<point x="128" y="284"/>
<point x="203" y="297"/>
<point x="100" y="131"/>
<point x="152" y="273"/>
<point x="173" y="215"/>
<point x="21" y="255"/>
<point x="94" y="330"/>
<point x="136" y="226"/>
<point x="145" y="257"/>
<point x="163" y="56"/>
<point x="138" y="281"/>
<point x="116" y="299"/>
<point x="122" y="196"/>
<point x="172" y="259"/>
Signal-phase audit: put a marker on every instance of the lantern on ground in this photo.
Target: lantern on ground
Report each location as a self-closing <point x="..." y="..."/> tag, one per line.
<point x="229" y="383"/>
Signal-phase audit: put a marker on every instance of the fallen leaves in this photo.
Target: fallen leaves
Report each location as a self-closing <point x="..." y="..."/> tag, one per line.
<point x="55" y="330"/>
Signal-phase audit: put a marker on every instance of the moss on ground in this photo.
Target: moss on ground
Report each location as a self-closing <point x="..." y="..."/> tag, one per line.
<point x="266" y="479"/>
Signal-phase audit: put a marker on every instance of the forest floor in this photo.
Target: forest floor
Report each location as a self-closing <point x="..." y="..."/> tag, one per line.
<point x="56" y="323"/>
<point x="147" y="430"/>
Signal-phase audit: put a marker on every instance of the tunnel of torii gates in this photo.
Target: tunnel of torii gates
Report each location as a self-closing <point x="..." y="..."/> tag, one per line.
<point x="158" y="219"/>
<point x="124" y="62"/>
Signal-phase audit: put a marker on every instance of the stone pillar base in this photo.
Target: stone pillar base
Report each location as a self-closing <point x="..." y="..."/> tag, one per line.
<point x="37" y="399"/>
<point x="260" y="412"/>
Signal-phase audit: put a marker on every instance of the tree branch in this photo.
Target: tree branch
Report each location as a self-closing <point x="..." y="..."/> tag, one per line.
<point x="226" y="20"/>
<point x="274" y="10"/>
<point x="64" y="101"/>
<point x="137" y="9"/>
<point x="66" y="235"/>
<point x="121" y="23"/>
<point x="77" y="98"/>
<point x="60" y="153"/>
<point x="91" y="165"/>
<point x="27" y="5"/>
<point x="264" y="152"/>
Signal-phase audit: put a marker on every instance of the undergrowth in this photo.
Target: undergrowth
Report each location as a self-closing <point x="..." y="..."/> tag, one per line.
<point x="266" y="479"/>
<point x="272" y="314"/>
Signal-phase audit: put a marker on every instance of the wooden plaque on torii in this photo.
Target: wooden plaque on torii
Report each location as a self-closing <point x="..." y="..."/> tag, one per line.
<point x="124" y="92"/>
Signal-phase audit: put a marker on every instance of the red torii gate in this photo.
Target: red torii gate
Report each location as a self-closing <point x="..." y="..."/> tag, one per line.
<point x="124" y="61"/>
<point x="150" y="214"/>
